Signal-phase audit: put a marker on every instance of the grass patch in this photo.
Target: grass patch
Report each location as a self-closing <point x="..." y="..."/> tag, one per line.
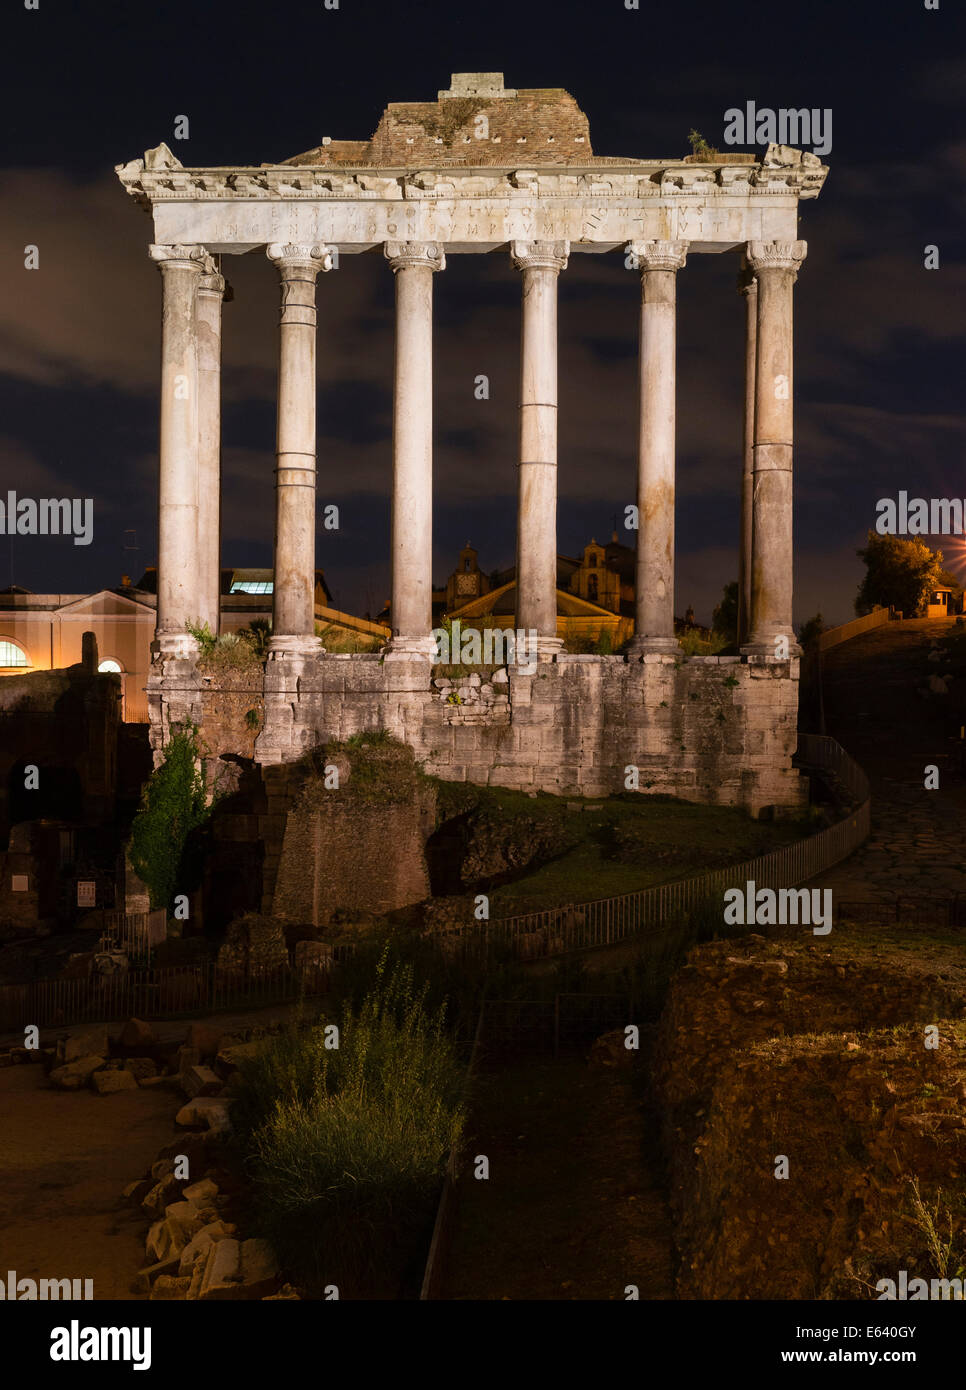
<point x="636" y="843"/>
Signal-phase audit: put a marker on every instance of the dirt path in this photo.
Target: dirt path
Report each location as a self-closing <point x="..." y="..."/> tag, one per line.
<point x="874" y="707"/>
<point x="572" y="1208"/>
<point x="64" y="1158"/>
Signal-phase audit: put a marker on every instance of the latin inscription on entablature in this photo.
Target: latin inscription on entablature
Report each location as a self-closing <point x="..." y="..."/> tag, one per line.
<point x="484" y="221"/>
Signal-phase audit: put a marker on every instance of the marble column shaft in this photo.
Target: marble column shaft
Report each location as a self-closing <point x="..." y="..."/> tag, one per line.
<point x="181" y="269"/>
<point x="413" y="264"/>
<point x="748" y="289"/>
<point x="775" y="265"/>
<point x="293" y="599"/>
<point x="211" y="293"/>
<point x="536" y="573"/>
<point x="659" y="262"/>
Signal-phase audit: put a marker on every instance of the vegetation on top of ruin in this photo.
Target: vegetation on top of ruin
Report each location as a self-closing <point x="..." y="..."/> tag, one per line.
<point x="174" y="804"/>
<point x="231" y="651"/>
<point x="373" y="767"/>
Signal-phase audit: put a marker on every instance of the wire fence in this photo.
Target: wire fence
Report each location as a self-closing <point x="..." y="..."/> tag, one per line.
<point x="170" y="992"/>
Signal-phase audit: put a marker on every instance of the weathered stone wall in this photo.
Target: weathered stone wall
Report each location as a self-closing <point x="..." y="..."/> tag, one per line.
<point x="815" y="1053"/>
<point x="709" y="729"/>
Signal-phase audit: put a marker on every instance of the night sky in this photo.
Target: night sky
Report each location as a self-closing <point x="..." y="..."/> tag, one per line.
<point x="879" y="365"/>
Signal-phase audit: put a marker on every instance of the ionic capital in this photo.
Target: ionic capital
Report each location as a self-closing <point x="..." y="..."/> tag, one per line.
<point x="542" y="255"/>
<point x="401" y="255"/>
<point x="288" y="257"/>
<point x="183" y="257"/>
<point x="212" y="283"/>
<point x="747" y="283"/>
<point x="658" y="255"/>
<point x="775" y="255"/>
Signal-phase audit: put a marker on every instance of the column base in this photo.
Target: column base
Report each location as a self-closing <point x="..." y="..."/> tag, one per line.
<point x="547" y="648"/>
<point x="647" y="646"/>
<point x="765" y="648"/>
<point x="177" y="646"/>
<point x="411" y="649"/>
<point x="282" y="645"/>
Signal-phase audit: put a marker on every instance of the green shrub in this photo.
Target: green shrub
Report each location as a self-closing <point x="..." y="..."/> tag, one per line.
<point x="347" y="1146"/>
<point x="173" y="804"/>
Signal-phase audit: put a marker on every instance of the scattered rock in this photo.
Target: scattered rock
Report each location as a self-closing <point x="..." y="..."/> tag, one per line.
<point x="609" y="1050"/>
<point x="206" y="1038"/>
<point x="200" y="1081"/>
<point x="137" y="1191"/>
<point x="201" y="1243"/>
<point x="73" y="1076"/>
<point x="142" y="1281"/>
<point x="162" y="1195"/>
<point x="208" y="1112"/>
<point x="105" y="1082"/>
<point x="167" y="1287"/>
<point x="141" y="1068"/>
<point x="137" y="1033"/>
<point x="239" y="1270"/>
<point x="94" y="1043"/>
<point x="201" y="1192"/>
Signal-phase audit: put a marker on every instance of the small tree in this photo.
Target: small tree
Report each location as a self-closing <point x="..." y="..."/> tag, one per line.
<point x="811" y="630"/>
<point x="700" y="148"/>
<point x="899" y="573"/>
<point x="173" y="803"/>
<point x="724" y="619"/>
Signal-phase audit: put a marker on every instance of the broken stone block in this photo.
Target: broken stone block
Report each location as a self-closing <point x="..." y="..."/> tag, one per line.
<point x="200" y="1193"/>
<point x="168" y="1287"/>
<point x="259" y="1269"/>
<point x="210" y="1112"/>
<point x="186" y="1057"/>
<point x="200" y="1081"/>
<point x="137" y="1191"/>
<point x="93" y="1043"/>
<point x="73" y="1075"/>
<point x="206" y="1038"/>
<point x="141" y="1068"/>
<point x="137" y="1033"/>
<point x="222" y="1269"/>
<point x="142" y="1281"/>
<point x="200" y="1243"/>
<point x="161" y="1196"/>
<point x="230" y="1058"/>
<point x="105" y="1083"/>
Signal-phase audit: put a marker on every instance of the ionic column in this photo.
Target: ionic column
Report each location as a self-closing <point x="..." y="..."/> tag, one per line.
<point x="178" y="602"/>
<point x="659" y="262"/>
<point x="748" y="288"/>
<point x="536" y="607"/>
<point x="211" y="292"/>
<point x="775" y="265"/>
<point x="293" y="595"/>
<point x="411" y="607"/>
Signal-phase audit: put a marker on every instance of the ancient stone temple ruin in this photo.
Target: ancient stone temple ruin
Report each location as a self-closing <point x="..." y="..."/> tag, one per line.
<point x="485" y="169"/>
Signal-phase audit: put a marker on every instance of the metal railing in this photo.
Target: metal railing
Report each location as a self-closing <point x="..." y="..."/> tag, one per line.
<point x="151" y="994"/>
<point x="832" y="636"/>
